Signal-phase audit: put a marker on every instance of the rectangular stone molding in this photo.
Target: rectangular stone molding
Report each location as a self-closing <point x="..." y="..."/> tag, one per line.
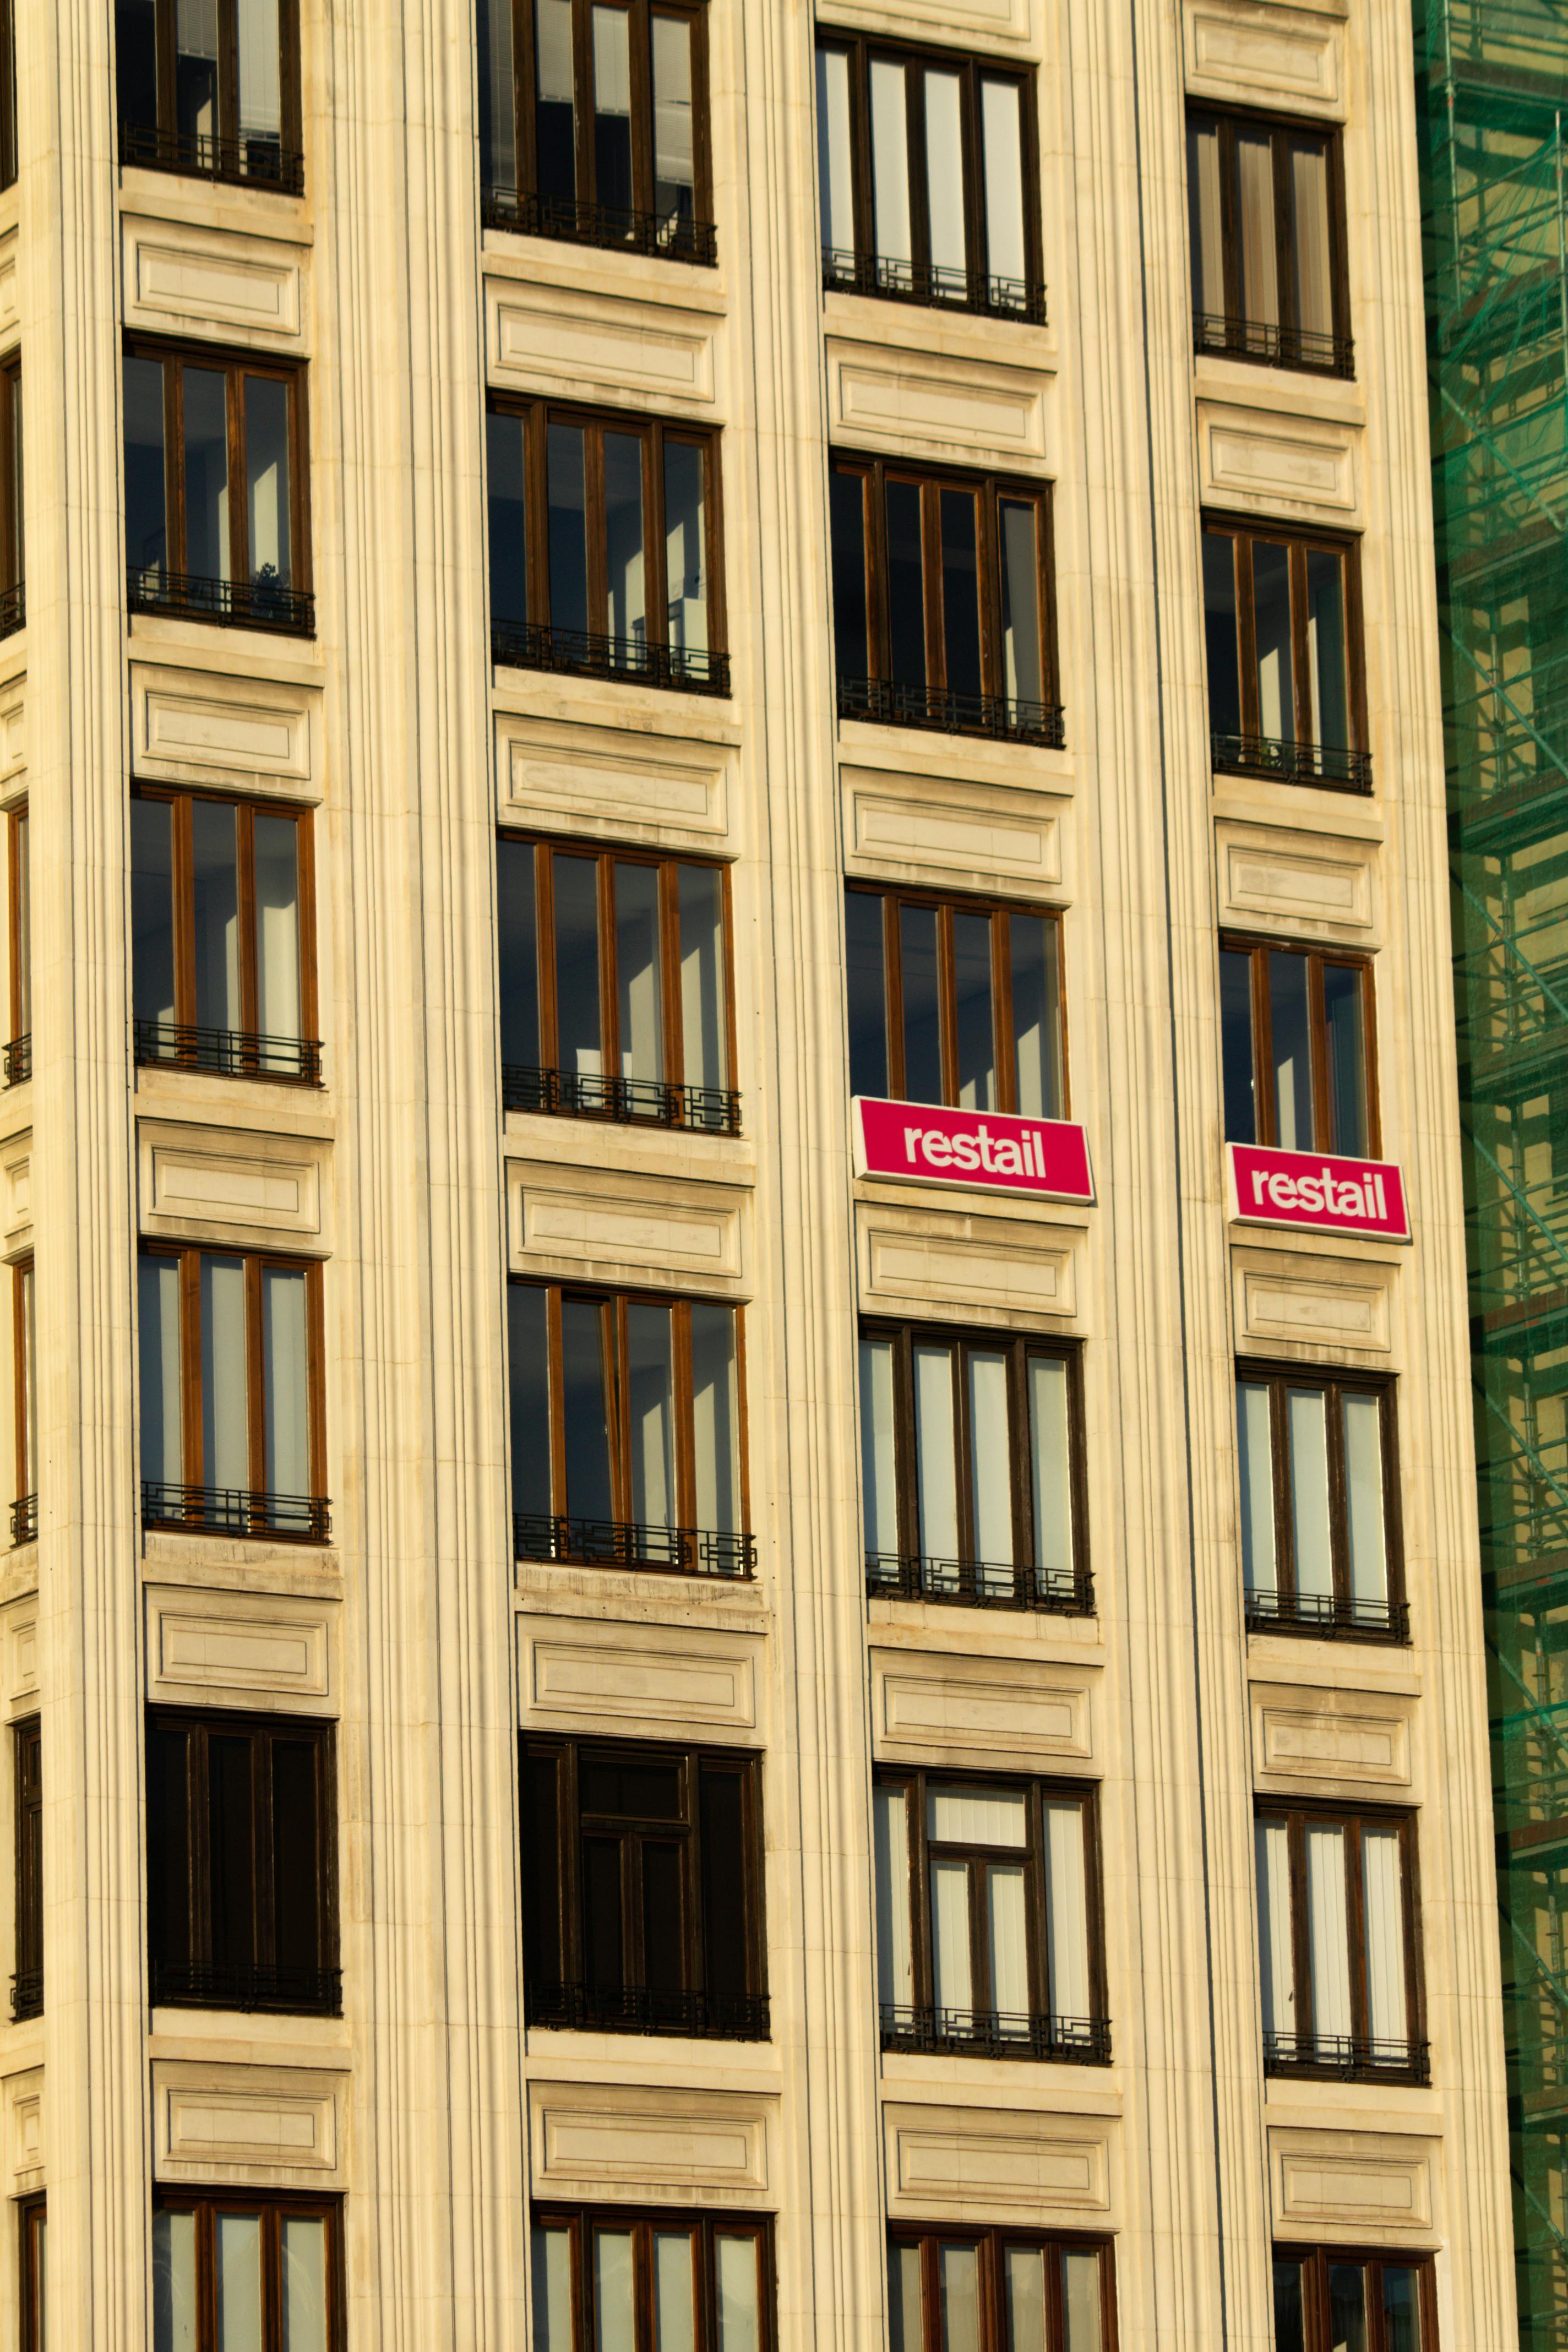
<point x="254" y="1649"/>
<point x="1331" y="1740"/>
<point x="580" y="779"/>
<point x="1356" y="2184"/>
<point x="199" y="726"/>
<point x="13" y="735"/>
<point x="985" y="1269"/>
<point x="16" y="1196"/>
<point x="1324" y="888"/>
<point x="991" y="2164"/>
<point x="1318" y="1307"/>
<point x="943" y="829"/>
<point x="549" y="337"/>
<point x="1008" y="19"/>
<point x="939" y="1703"/>
<point x="623" y="1227"/>
<point x="25" y="2131"/>
<point x="588" y="1671"/>
<point x="280" y="2125"/>
<point x="20" y="1655"/>
<point x="881" y="395"/>
<point x="179" y="278"/>
<point x="1288" y="467"/>
<point x="644" y="2142"/>
<point x="232" y="1187"/>
<point x="1265" y="56"/>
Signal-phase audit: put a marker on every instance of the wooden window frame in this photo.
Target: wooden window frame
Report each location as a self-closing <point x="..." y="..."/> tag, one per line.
<point x="32" y="2212"/>
<point x="1282" y="129"/>
<point x="567" y="1094"/>
<point x="862" y="275"/>
<point x="24" y="1378"/>
<point x="13" y="536"/>
<point x="181" y="799"/>
<point x="19" y="946"/>
<point x="160" y="147"/>
<point x="28" y="1938"/>
<point x="1334" y="1382"/>
<point x="274" y="2206"/>
<point x="579" y="2222"/>
<point x="1329" y="767"/>
<point x="555" y="1898"/>
<point x="1315" y="2261"/>
<point x="992" y="2243"/>
<point x="1316" y="956"/>
<point x="916" y="1781"/>
<point x="1298" y="1812"/>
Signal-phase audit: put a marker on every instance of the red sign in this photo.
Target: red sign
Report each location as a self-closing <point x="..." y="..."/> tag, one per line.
<point x="1316" y="1193"/>
<point x="925" y="1144"/>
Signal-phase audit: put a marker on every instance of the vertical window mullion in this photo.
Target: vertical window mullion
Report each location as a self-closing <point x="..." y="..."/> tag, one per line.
<point x="618" y="1422"/>
<point x="930" y="585"/>
<point x="190" y="1263"/>
<point x="1300" y="674"/>
<point x="1246" y="635"/>
<point x="668" y="895"/>
<point x="255" y="1375"/>
<point x="1263" y="1049"/>
<point x="1339" y="1494"/>
<point x="184" y="912"/>
<point x="964" y="1482"/>
<point x="557" y="1401"/>
<point x="1284" y="1511"/>
<point x="1355" y="1932"/>
<point x="1002" y="1012"/>
<point x="175" y="460"/>
<point x="655" y="569"/>
<point x="1230" y="219"/>
<point x="1284" y="231"/>
<point x="609" y="990"/>
<point x="923" y="1971"/>
<point x="947" y="1003"/>
<point x="238" y="482"/>
<point x="1300" y="1939"/>
<point x="920" y="188"/>
<point x="1318" y="1021"/>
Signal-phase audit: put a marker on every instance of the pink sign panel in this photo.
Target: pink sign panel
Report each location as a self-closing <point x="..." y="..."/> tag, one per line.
<point x="1319" y="1194"/>
<point x="925" y="1144"/>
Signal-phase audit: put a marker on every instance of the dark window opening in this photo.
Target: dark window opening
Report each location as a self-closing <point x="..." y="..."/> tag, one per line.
<point x="1267" y="217"/>
<point x="26" y="1765"/>
<point x="1282" y="622"/>
<point x="1340" y="1959"/>
<point x="1298" y="1047"/>
<point x="1320" y="1521"/>
<point x="211" y="88"/>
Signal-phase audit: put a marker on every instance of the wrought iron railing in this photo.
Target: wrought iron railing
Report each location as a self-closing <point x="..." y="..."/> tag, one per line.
<point x="665" y="237"/>
<point x="709" y="1110"/>
<point x="583" y="653"/>
<point x="1331" y="766"/>
<point x="199" y="154"/>
<point x="19" y="1061"/>
<point x="1328" y="1614"/>
<point x="622" y="1543"/>
<point x="998" y="2033"/>
<point x="13" y="609"/>
<point x="1348" y="2057"/>
<point x="245" y="1984"/>
<point x="234" y="1511"/>
<point x="1276" y="346"/>
<point x="27" y="1994"/>
<point x="230" y="1052"/>
<point x="25" y="1520"/>
<point x="898" y="704"/>
<point x="941" y="286"/>
<point x="233" y="604"/>
<point x="644" y="2009"/>
<point x="980" y="1584"/>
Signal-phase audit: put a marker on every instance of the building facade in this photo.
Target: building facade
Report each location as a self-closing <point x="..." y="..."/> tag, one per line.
<point x="744" y="1605"/>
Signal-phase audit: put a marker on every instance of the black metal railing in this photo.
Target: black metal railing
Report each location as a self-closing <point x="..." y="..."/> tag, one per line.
<point x="13" y="609"/>
<point x="25" y="1520"/>
<point x="1328" y="1614"/>
<point x="262" y="603"/>
<point x="980" y="1584"/>
<point x="1346" y="2057"/>
<point x="1276" y="346"/>
<point x="582" y="653"/>
<point x="19" y="1061"/>
<point x="998" y="2033"/>
<point x="27" y="1994"/>
<point x="245" y="1984"/>
<point x="198" y="154"/>
<point x="234" y="1511"/>
<point x="707" y="1110"/>
<point x="1334" y="766"/>
<point x="663" y="236"/>
<point x="940" y="287"/>
<point x="643" y="2009"/>
<point x="622" y="1543"/>
<point x="230" y="1052"/>
<point x="898" y="704"/>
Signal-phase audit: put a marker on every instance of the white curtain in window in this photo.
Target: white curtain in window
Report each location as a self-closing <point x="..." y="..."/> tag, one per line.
<point x="1203" y="206"/>
<point x="1328" y="1930"/>
<point x="1080" y="2304"/>
<point x="261" y="71"/>
<point x="715" y="1413"/>
<point x="237" y="2263"/>
<point x="1276" y="1965"/>
<point x="1019" y="523"/>
<point x="835" y="164"/>
<point x="1383" y="1898"/>
<point x="1067" y="1911"/>
<point x="552" y="2291"/>
<point x="891" y="162"/>
<point x="651" y="1410"/>
<point x="951" y="1964"/>
<point x="1052" y="1465"/>
<point x="674" y="144"/>
<point x="226" y="1435"/>
<point x="552" y="52"/>
<point x="936" y="1453"/>
<point x="1009" y="1954"/>
<point x="673" y="2283"/>
<point x="739" y="2300"/>
<point x="1363" y="1493"/>
<point x="158" y="1315"/>
<point x="612" y="61"/>
<point x="637" y="971"/>
<point x="958" y="2270"/>
<point x="1260" y="253"/>
<point x="1024" y="2275"/>
<point x="1306" y="1419"/>
<point x="944" y="176"/>
<point x="174" y="2283"/>
<point x="1001" y="142"/>
<point x="704" y="1047"/>
<point x="1309" y="206"/>
<point x="304" y="2251"/>
<point x="878" y="1474"/>
<point x="890" y="1831"/>
<point x="285" y="1359"/>
<point x="1254" y="1456"/>
<point x="991" y="1466"/>
<point x="977" y="1816"/>
<point x="614" y="2291"/>
<point x="278" y="926"/>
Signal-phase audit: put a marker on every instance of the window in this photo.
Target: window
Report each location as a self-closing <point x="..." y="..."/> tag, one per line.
<point x="1336" y="1922"/>
<point x="241" y="2271"/>
<point x="31" y="2214"/>
<point x="929" y="178"/>
<point x="215" y="489"/>
<point x="642" y="1890"/>
<point x="1267" y="209"/>
<point x="998" y="2290"/>
<point x="240" y="1865"/>
<point x="1319" y="1548"/>
<point x="1296" y="1026"/>
<point x="26" y="1766"/>
<point x="8" y="94"/>
<point x="942" y="601"/>
<point x="211" y="88"/>
<point x="605" y="547"/>
<point x="955" y="1002"/>
<point x="614" y="2280"/>
<point x="221" y="906"/>
<point x="25" y="1387"/>
<point x="987" y="1917"/>
<point x="13" y="543"/>
<point x="970" y="1454"/>
<point x="1282" y="619"/>
<point x="231" y="1405"/>
<point x="593" y="123"/>
<point x="616" y="998"/>
<point x="1353" y="2302"/>
<point x="19" y="1048"/>
<point x="627" y="1422"/>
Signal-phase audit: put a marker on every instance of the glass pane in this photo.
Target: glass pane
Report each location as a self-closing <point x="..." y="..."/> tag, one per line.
<point x="958" y="2271"/>
<point x="614" y="2310"/>
<point x="1271" y="620"/>
<point x="919" y="974"/>
<point x="613" y="108"/>
<point x="977" y="1816"/>
<point x="1344" y="1016"/>
<point x="555" y="115"/>
<point x="1022" y="676"/>
<point x="304" y="2251"/>
<point x="1203" y="208"/>
<point x="498" y="114"/>
<point x="195" y="68"/>
<point x="146" y="526"/>
<point x="1347" y="2307"/>
<point x="1032" y="954"/>
<point x="961" y="592"/>
<point x="27" y="1372"/>
<point x="1220" y="633"/>
<point x="936" y="1452"/>
<point x="716" y="1418"/>
<point x="158" y="1321"/>
<point x="674" y="142"/>
<point x="518" y="938"/>
<point x="740" y="2295"/>
<point x="650" y="1405"/>
<point x="1289" y="2307"/>
<point x="1383" y="1894"/>
<point x="507" y="497"/>
<point x="704" y="1047"/>
<point x="944" y="181"/>
<point x="952" y="1976"/>
<point x="625" y="578"/>
<point x="528" y="1364"/>
<point x="905" y="2328"/>
<point x="1067" y="1912"/>
<point x="259" y="43"/>
<point x="237" y="2259"/>
<point x="551" y="2266"/>
<point x="1328" y="1931"/>
<point x="1401" y="2308"/>
<point x="1363" y="1496"/>
<point x="1306" y="1441"/>
<point x="589" y="1493"/>
<point x="1328" y="682"/>
<point x="267" y="473"/>
<point x="276" y="845"/>
<point x="867" y="990"/>
<point x="878" y="1469"/>
<point x="1289" y="1021"/>
<point x="152" y="913"/>
<point x="1080" y="2303"/>
<point x="285" y="1375"/>
<point x="206" y="473"/>
<point x="214" y="875"/>
<point x="576" y="881"/>
<point x="567" y="497"/>
<point x="136" y="59"/>
<point x="675" y="2304"/>
<point x="1001" y="139"/>
<point x="1276" y="1967"/>
<point x="1254" y="1456"/>
<point x="891" y="169"/>
<point x="1236" y="1042"/>
<point x="847" y="514"/>
<point x="225" y="1430"/>
<point x="974" y="1030"/>
<point x="990" y="1468"/>
<point x="1310" y="221"/>
<point x="1255" y="220"/>
<point x="686" y="544"/>
<point x="1009" y="1944"/>
<point x="835" y="156"/>
<point x="1024" y="2277"/>
<point x="231" y="1837"/>
<point x="174" y="2283"/>
<point x="1051" y="1461"/>
<point x="639" y="980"/>
<point x="22" y="923"/>
<point x="890" y="1832"/>
<point x="906" y="584"/>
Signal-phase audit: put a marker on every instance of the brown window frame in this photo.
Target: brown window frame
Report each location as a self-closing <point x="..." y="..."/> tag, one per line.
<point x="549" y="1086"/>
<point x="18" y="1051"/>
<point x="1358" y="2063"/>
<point x="8" y="94"/>
<point x="1265" y="1113"/>
<point x="992" y="2243"/>
<point x="12" y="514"/>
<point x="1302" y="760"/>
<point x="27" y="1939"/>
<point x="1233" y="335"/>
<point x="558" y="1827"/>
<point x="32" y="2217"/>
<point x="579" y="2225"/>
<point x="1315" y="2263"/>
<point x="273" y="2206"/>
<point x="927" y="2028"/>
<point x="1347" y="1618"/>
<point x="879" y="696"/>
<point x="242" y="1052"/>
<point x="160" y="146"/>
<point x="25" y="1398"/>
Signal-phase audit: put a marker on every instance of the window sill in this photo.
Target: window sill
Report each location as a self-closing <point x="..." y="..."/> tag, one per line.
<point x="229" y="1053"/>
<point x="235" y="1511"/>
<point x="982" y="2033"/>
<point x="621" y="1543"/>
<point x="301" y="1993"/>
<point x="626" y="661"/>
<point x="1325" y="767"/>
<point x="968" y="1584"/>
<point x="200" y="156"/>
<point x="1269" y="346"/>
<point x="655" y="236"/>
<point x="967" y="292"/>
<point x="226" y="604"/>
<point x="1329" y="1620"/>
<point x="628" y="1102"/>
<point x="890" y="704"/>
<point x="635" y="2009"/>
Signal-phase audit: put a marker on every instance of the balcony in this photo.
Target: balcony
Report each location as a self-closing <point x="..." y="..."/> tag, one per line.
<point x="622" y="1543"/>
<point x="660" y="237"/>
<point x="1332" y="768"/>
<point x="894" y="703"/>
<point x="229" y="1053"/>
<point x="1346" y="2058"/>
<point x="632" y="661"/>
<point x="264" y="604"/>
<point x="632" y="1102"/>
<point x="979" y="1585"/>
<point x="27" y="1994"/>
<point x="24" y="1521"/>
<point x="13" y="609"/>
<point x="643" y="2009"/>
<point x="246" y="1985"/>
<point x="199" y="155"/>
<point x="19" y="1061"/>
<point x="1328" y="1616"/>
<point x="235" y="1511"/>
<point x="1273" y="346"/>
<point x="996" y="2033"/>
<point x="940" y="289"/>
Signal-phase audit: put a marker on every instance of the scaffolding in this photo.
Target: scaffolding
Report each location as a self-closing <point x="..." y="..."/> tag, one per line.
<point x="1492" y="93"/>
